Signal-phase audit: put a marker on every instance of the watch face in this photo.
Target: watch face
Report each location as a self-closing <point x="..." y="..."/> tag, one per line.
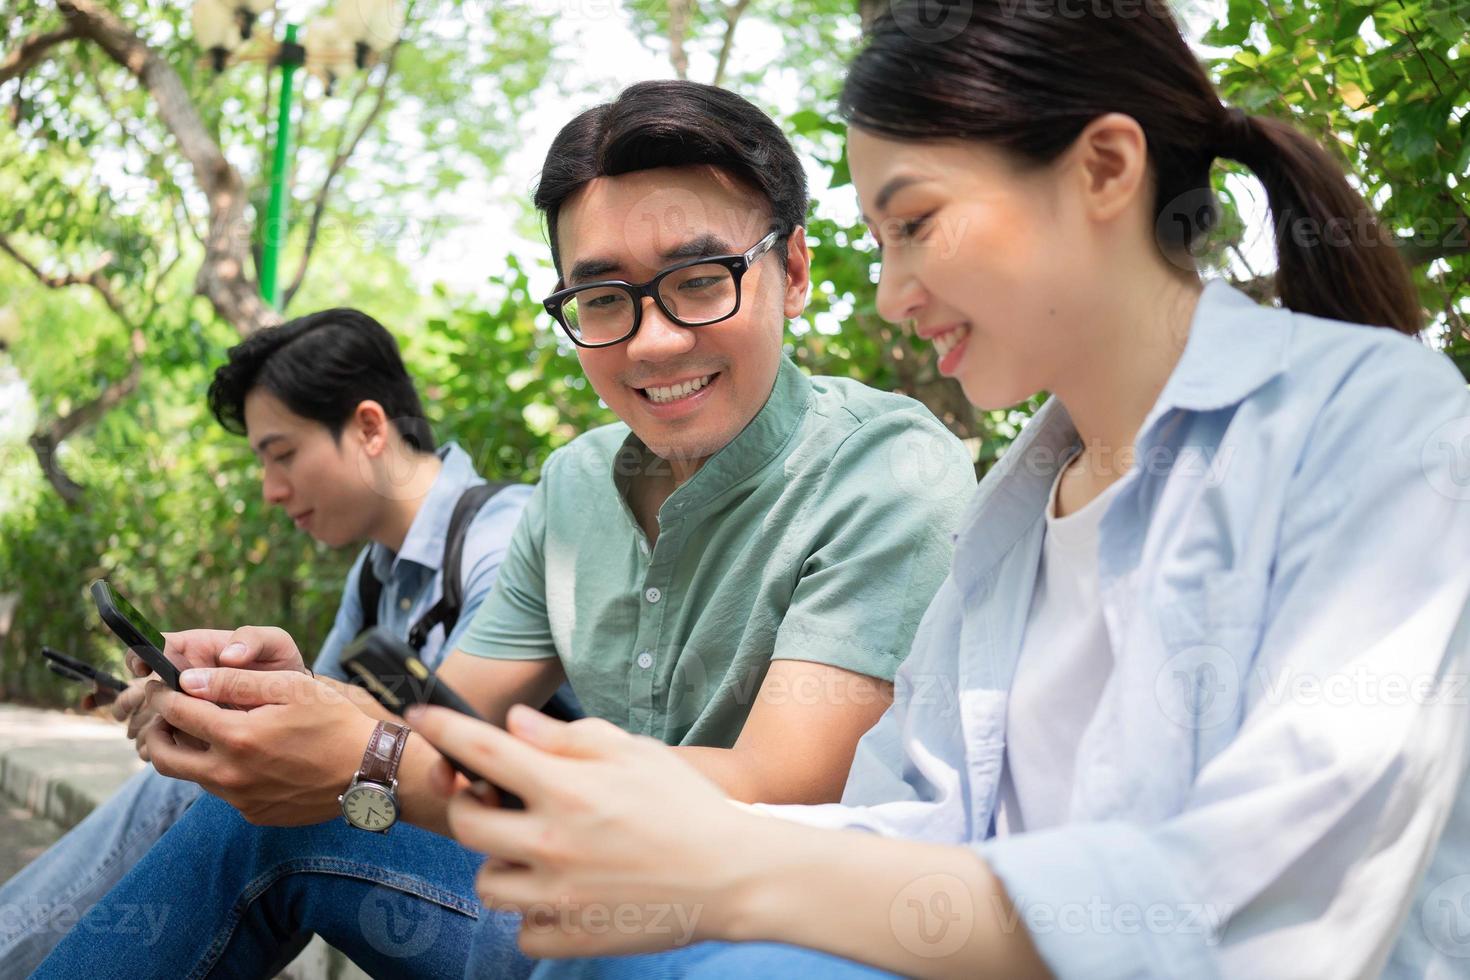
<point x="369" y="806"/>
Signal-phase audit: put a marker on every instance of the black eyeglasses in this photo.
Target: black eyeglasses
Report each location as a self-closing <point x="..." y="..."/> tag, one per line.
<point x="695" y="293"/>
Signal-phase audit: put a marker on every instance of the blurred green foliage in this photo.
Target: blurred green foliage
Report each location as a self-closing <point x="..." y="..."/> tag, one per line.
<point x="1386" y="86"/>
<point x="173" y="510"/>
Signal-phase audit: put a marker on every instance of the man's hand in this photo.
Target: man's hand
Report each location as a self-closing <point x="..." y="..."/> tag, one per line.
<point x="132" y="709"/>
<point x="246" y="648"/>
<point x="281" y="761"/>
<point x="98" y="697"/>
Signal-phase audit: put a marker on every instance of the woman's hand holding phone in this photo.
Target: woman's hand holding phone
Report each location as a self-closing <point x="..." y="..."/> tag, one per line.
<point x="617" y="819"/>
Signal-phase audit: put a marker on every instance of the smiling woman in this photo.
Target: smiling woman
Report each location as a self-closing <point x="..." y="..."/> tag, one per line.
<point x="1089" y="767"/>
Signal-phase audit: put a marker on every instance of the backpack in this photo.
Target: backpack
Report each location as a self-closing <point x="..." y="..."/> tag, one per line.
<point x="446" y="610"/>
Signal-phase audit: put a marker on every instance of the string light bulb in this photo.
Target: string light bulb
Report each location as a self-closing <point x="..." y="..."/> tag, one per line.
<point x="215" y="30"/>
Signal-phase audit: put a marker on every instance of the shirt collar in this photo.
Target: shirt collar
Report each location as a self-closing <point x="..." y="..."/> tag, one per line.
<point x="1014" y="494"/>
<point x="424" y="543"/>
<point x="1234" y="347"/>
<point x="756" y="445"/>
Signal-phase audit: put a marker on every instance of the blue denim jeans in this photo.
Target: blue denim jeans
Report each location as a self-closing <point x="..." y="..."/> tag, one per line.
<point x="219" y="897"/>
<point x="712" y="961"/>
<point x="49" y="895"/>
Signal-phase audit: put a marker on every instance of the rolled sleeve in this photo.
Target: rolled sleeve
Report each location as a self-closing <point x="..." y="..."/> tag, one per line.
<point x="1102" y="900"/>
<point x="879" y="557"/>
<point x="889" y="793"/>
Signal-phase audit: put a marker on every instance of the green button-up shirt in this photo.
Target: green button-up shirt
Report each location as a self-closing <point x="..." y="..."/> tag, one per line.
<point x="820" y="533"/>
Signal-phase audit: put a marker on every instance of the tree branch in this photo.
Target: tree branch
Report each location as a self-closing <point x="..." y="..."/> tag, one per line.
<point x="46" y="440"/>
<point x="156" y="155"/>
<point x="732" y="17"/>
<point x="342" y="152"/>
<point x="1262" y="289"/>
<point x="1455" y="241"/>
<point x="93" y="278"/>
<point x="1414" y="43"/>
<point x="32" y="51"/>
<point x="679" y="11"/>
<point x="1240" y="256"/>
<point x="1415" y="252"/>
<point x="155" y="299"/>
<point x="223" y="278"/>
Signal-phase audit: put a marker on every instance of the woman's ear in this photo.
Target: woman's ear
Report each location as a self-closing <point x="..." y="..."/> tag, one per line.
<point x="1112" y="161"/>
<point x="373" y="426"/>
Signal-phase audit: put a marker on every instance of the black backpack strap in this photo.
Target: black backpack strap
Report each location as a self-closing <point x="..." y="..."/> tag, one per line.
<point x="446" y="610"/>
<point x="369" y="590"/>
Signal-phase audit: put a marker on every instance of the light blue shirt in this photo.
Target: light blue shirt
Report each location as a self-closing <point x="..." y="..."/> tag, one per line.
<point x="413" y="579"/>
<point x="1274" y="782"/>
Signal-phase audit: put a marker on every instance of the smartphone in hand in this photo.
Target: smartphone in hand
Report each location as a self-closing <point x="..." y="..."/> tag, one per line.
<point x="388" y="669"/>
<point x="134" y="630"/>
<point x="76" y="670"/>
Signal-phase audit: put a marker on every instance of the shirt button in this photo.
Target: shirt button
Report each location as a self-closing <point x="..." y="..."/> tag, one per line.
<point x="653" y="595"/>
<point x="405" y="603"/>
<point x="645" y="660"/>
<point x="643" y="546"/>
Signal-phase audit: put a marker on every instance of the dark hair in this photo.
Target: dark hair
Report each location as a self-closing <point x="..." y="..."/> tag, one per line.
<point x="1028" y="77"/>
<point x="322" y="366"/>
<point x="674" y="124"/>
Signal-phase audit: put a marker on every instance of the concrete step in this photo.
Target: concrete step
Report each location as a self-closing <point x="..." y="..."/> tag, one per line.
<point x="59" y="766"/>
<point x="25" y="836"/>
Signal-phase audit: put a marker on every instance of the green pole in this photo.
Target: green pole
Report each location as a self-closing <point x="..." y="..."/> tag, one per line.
<point x="275" y="220"/>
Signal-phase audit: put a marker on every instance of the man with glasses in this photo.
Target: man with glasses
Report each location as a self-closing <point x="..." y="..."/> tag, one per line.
<point x="737" y="569"/>
<point x="695" y="293"/>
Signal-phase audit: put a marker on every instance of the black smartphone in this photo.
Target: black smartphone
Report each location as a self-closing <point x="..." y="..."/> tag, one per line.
<point x="66" y="672"/>
<point x="74" y="669"/>
<point x="140" y="635"/>
<point x="387" y="668"/>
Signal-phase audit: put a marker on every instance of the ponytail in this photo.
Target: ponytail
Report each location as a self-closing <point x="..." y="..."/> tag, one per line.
<point x="1334" y="259"/>
<point x="1028" y="78"/>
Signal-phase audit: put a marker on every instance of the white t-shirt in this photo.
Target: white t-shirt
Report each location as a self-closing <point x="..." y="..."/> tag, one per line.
<point x="1065" y="661"/>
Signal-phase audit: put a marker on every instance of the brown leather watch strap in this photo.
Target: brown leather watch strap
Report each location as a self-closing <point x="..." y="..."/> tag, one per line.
<point x="384" y="750"/>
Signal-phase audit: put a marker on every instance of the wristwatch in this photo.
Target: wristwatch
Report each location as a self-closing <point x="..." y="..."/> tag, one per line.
<point x="371" y="799"/>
